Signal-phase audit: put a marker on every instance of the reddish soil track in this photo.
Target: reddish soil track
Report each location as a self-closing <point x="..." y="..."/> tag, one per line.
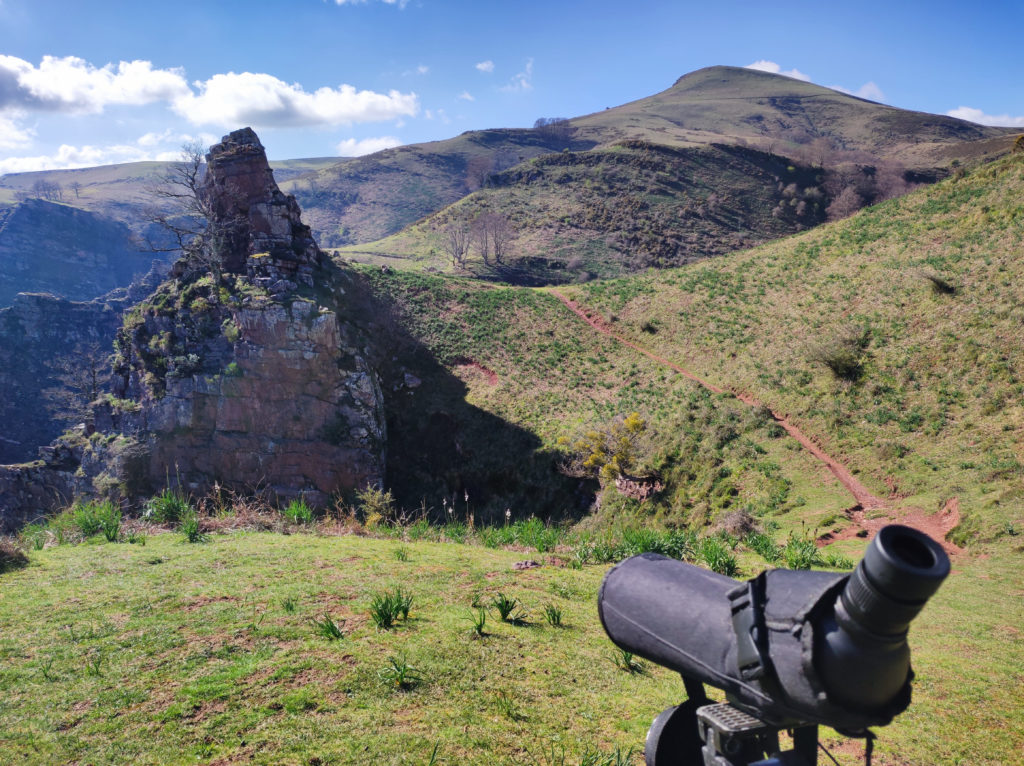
<point x="935" y="525"/>
<point x="865" y="499"/>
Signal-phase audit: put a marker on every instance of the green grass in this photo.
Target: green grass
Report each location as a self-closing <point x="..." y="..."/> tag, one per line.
<point x="117" y="653"/>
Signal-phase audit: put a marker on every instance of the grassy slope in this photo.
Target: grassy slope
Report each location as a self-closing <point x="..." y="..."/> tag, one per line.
<point x="506" y="372"/>
<point x="723" y="104"/>
<point x="937" y="411"/>
<point x="178" y="653"/>
<point x="617" y="210"/>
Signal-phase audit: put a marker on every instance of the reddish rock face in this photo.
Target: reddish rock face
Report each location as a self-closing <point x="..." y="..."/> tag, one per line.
<point x="254" y="216"/>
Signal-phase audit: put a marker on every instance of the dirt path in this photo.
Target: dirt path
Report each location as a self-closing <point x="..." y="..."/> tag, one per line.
<point x="936" y="525"/>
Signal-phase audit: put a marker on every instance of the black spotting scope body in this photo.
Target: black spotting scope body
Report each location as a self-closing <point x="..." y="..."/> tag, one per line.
<point x="789" y="647"/>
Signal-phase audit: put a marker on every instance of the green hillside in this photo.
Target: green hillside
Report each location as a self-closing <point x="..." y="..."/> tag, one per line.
<point x="578" y="215"/>
<point x="894" y="336"/>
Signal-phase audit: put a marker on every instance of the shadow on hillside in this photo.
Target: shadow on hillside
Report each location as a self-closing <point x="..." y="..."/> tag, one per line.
<point x="441" y="448"/>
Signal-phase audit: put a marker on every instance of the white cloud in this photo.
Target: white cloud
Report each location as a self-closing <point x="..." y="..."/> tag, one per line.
<point x="868" y="90"/>
<point x="72" y="84"/>
<point x="770" y="66"/>
<point x="351" y="147"/>
<point x="466" y="96"/>
<point x="971" y="114"/>
<point x="262" y="100"/>
<point x="522" y="81"/>
<point x="78" y="157"/>
<point x="12" y="136"/>
<point x="485" y="66"/>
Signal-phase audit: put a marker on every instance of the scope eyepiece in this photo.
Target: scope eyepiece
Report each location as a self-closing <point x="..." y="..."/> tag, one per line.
<point x="900" y="571"/>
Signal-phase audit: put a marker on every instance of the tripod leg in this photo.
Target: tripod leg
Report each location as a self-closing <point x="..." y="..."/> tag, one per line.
<point x="805" y="744"/>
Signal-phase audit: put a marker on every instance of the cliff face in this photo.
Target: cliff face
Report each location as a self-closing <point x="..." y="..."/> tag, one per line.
<point x="260" y="382"/>
<point x="72" y="253"/>
<point x="255" y="383"/>
<point x="50" y="349"/>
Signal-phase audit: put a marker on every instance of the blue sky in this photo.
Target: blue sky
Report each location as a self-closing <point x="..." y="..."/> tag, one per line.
<point x="87" y="83"/>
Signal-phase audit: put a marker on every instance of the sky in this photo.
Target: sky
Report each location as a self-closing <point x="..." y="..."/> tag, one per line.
<point x="99" y="82"/>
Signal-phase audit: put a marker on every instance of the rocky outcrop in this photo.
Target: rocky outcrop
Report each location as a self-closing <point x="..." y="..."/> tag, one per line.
<point x="246" y="371"/>
<point x="259" y="228"/>
<point x="71" y="253"/>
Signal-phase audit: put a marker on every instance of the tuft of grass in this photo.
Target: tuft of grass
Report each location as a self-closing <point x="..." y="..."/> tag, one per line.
<point x="326" y="626"/>
<point x="478" y="617"/>
<point x="506" y="704"/>
<point x="169" y="507"/>
<point x="800" y="553"/>
<point x="628" y="661"/>
<point x="402" y="553"/>
<point x="298" y="512"/>
<point x="386" y="607"/>
<point x="109" y="516"/>
<point x="191" y="529"/>
<point x="400" y="674"/>
<point x="289" y="604"/>
<point x="509" y="609"/>
<point x="714" y="552"/>
<point x="553" y="614"/>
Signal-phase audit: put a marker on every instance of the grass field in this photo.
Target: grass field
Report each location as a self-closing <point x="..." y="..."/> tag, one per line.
<point x="171" y="652"/>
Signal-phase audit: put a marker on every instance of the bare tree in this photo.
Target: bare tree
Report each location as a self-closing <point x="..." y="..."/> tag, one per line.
<point x="477" y="170"/>
<point x="557" y="130"/>
<point x="76" y="187"/>
<point x="481" y="236"/>
<point x="502" y="234"/>
<point x="456" y="241"/>
<point x="184" y="210"/>
<point x="48" y="190"/>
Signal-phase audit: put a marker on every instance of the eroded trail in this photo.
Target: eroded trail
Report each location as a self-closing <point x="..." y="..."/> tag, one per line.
<point x="861" y="494"/>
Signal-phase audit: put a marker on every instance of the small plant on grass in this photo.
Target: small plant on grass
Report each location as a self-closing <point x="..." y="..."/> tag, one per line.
<point x="836" y="560"/>
<point x="507" y="707"/>
<point x="87" y="519"/>
<point x="169" y="507"/>
<point x="627" y="661"/>
<point x="191" y="530"/>
<point x="94" y="664"/>
<point x="388" y="606"/>
<point x="109" y="516"/>
<point x="800" y="553"/>
<point x="32" y="537"/>
<point x="764" y="546"/>
<point x="326" y="626"/>
<point x="298" y="512"/>
<point x="553" y="615"/>
<point x="402" y="553"/>
<point x="478" y="617"/>
<point x="288" y="604"/>
<point x="400" y="674"/>
<point x="714" y="552"/>
<point x="509" y="609"/>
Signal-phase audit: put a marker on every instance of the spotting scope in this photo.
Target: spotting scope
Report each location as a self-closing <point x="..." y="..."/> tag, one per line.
<point x="790" y="649"/>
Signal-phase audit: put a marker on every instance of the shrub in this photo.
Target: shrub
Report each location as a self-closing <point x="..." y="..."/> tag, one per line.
<point x="842" y="353"/>
<point x="377" y="506"/>
<point x="87" y="519"/>
<point x="11" y="558"/>
<point x="800" y="553"/>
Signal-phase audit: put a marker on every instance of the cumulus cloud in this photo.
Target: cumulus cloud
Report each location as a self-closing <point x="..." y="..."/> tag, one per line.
<point x="521" y="81"/>
<point x="971" y="114"/>
<point x="12" y="136"/>
<point x="466" y="96"/>
<point x="351" y="147"/>
<point x="770" y="66"/>
<point x="68" y="156"/>
<point x="485" y="66"/>
<point x="262" y="100"/>
<point x="868" y="90"/>
<point x="71" y="84"/>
